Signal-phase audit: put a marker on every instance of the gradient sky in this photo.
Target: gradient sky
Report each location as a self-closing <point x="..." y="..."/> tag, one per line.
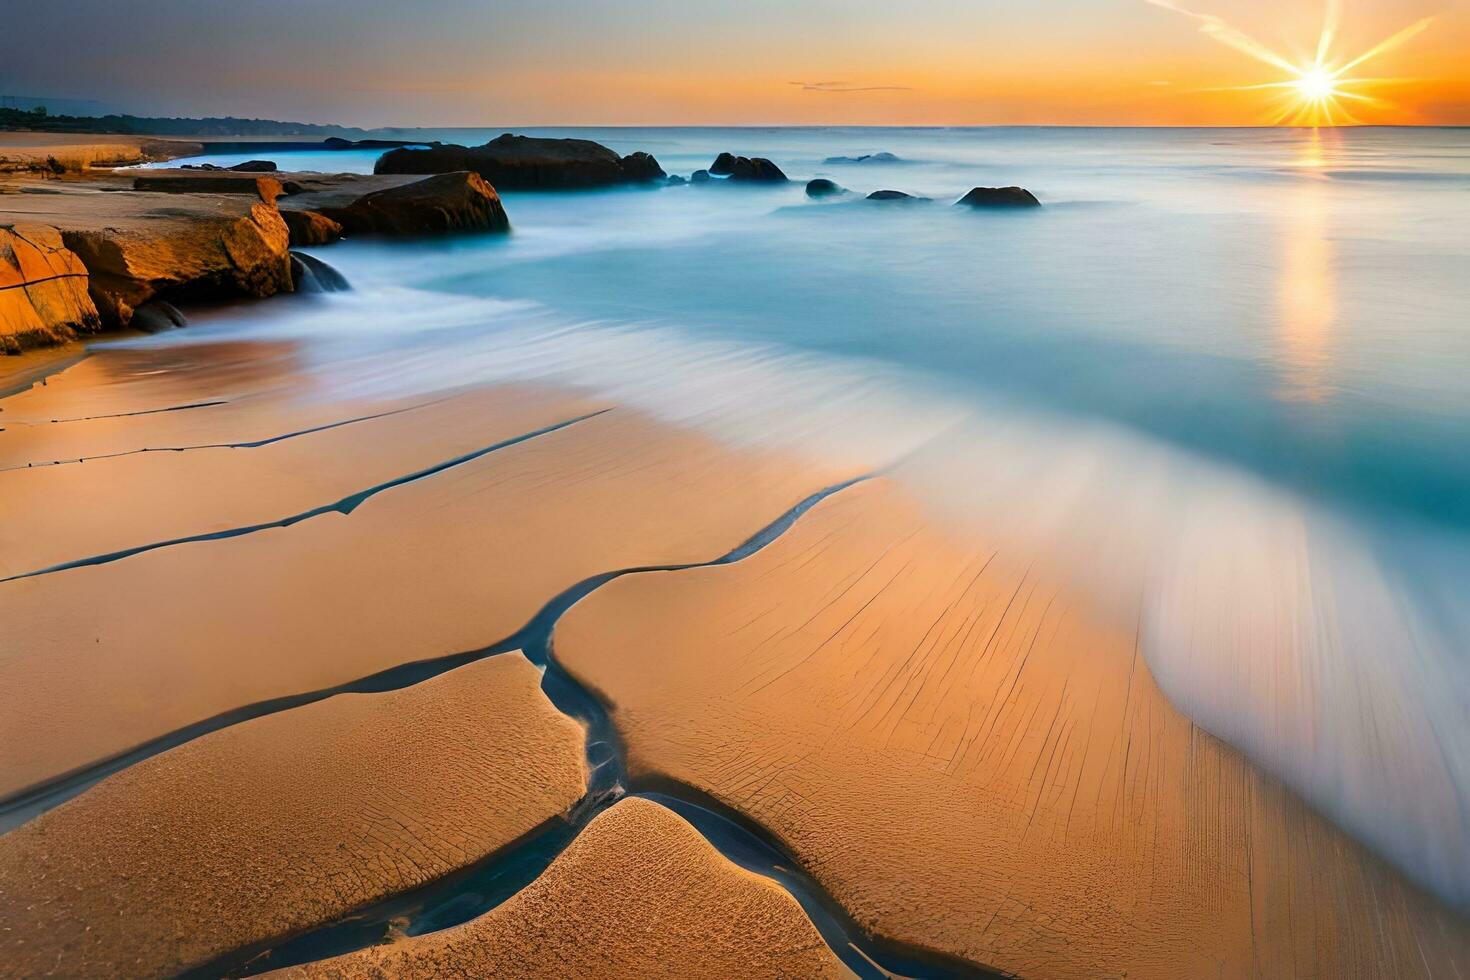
<point x="634" y="62"/>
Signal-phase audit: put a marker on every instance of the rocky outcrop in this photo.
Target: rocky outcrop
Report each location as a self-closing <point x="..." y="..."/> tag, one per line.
<point x="43" y="290"/>
<point x="999" y="197"/>
<point x="699" y="177"/>
<point x="894" y="196"/>
<point x="254" y="167"/>
<point x="448" y="202"/>
<point x="753" y="169"/>
<point x="311" y="227"/>
<point x="200" y="246"/>
<point x="210" y="182"/>
<point x="822" y="187"/>
<point x="513" y="162"/>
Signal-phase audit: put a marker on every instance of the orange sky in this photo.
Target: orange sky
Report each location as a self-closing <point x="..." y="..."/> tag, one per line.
<point x="640" y="62"/>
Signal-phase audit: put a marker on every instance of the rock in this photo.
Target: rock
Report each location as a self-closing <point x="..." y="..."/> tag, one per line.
<point x="700" y="177"/>
<point x="674" y="180"/>
<point x="201" y="245"/>
<point x="724" y="164"/>
<point x="311" y="275"/>
<point x="822" y="187"/>
<point x="254" y="167"/>
<point x="311" y="228"/>
<point x="999" y="197"/>
<point x="222" y="182"/>
<point x="460" y="201"/>
<point x="201" y="166"/>
<point x="43" y="290"/>
<point x="158" y="316"/>
<point x="513" y="162"/>
<point x="754" y="169"/>
<point x="883" y="157"/>
<point x="894" y="196"/>
<point x="641" y="166"/>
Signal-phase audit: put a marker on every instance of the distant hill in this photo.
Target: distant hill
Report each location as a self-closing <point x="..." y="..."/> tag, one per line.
<point x="38" y="119"/>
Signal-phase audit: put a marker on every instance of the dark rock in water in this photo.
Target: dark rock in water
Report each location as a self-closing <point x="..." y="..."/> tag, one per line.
<point x="312" y="275"/>
<point x="674" y="180"/>
<point x="757" y="169"/>
<point x="724" y="165"/>
<point x="641" y="166"/>
<point x="254" y="167"/>
<point x="311" y="227"/>
<point x="894" y="196"/>
<point x="156" y="316"/>
<point x="447" y="202"/>
<point x="527" y="163"/>
<point x="999" y="197"/>
<point x="883" y="157"/>
<point x="201" y="166"/>
<point x="699" y="177"/>
<point x="822" y="187"/>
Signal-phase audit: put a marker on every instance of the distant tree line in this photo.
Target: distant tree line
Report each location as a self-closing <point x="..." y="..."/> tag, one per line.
<point x="40" y="120"/>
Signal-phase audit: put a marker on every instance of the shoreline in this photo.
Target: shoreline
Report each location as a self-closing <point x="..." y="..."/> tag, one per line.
<point x="943" y="743"/>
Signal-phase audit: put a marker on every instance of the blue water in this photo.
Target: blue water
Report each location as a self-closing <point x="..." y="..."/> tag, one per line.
<point x="1229" y="367"/>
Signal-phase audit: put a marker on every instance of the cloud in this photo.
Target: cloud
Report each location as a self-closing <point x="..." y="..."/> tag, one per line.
<point x="840" y="87"/>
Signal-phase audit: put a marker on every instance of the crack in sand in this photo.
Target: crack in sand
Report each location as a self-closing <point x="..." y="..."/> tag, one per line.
<point x="119" y="415"/>
<point x="344" y="506"/>
<point x="255" y="444"/>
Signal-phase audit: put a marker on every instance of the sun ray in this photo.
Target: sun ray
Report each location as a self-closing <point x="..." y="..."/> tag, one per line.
<point x="1384" y="46"/>
<point x="1315" y="89"/>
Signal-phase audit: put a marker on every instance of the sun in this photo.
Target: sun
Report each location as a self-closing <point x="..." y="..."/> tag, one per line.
<point x="1316" y="84"/>
<point x="1319" y="92"/>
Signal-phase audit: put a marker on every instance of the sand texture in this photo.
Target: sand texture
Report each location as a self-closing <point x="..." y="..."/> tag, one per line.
<point x="638" y="893"/>
<point x="102" y="658"/>
<point x="285" y="822"/>
<point x="973" y="762"/>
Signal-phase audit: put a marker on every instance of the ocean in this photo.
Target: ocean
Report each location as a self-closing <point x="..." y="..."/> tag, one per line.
<point x="1218" y="381"/>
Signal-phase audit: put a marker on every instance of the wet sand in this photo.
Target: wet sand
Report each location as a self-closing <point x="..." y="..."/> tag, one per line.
<point x="285" y="822"/>
<point x="973" y="762"/>
<point x="962" y="754"/>
<point x="108" y="656"/>
<point x="639" y="893"/>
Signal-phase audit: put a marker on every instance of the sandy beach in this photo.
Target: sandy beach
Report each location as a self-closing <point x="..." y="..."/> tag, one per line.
<point x="332" y="657"/>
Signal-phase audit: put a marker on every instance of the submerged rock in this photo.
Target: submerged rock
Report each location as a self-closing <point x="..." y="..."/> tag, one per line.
<point x="674" y="180"/>
<point x="822" y="187"/>
<point x="158" y="316"/>
<point x="999" y="197"/>
<point x="894" y="196"/>
<point x="447" y="202"/>
<point x="311" y="227"/>
<point x="312" y="275"/>
<point x="882" y="157"/>
<point x="254" y="167"/>
<point x="43" y="289"/>
<point x="700" y="177"/>
<point x="527" y="163"/>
